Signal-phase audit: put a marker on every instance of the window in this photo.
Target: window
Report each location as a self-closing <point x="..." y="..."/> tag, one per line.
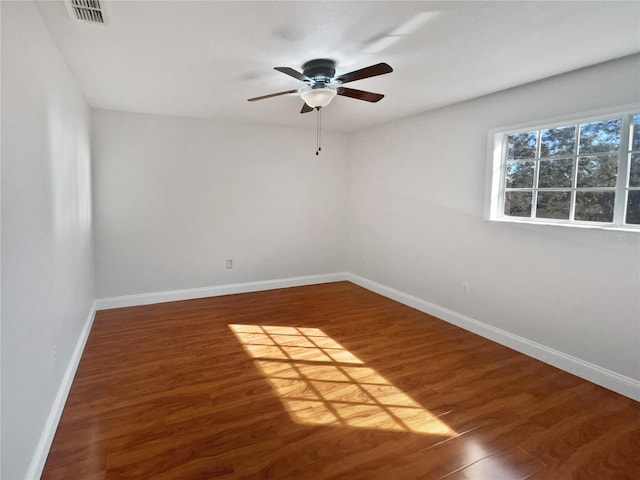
<point x="584" y="172"/>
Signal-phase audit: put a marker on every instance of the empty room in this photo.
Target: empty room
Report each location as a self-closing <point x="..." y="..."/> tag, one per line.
<point x="320" y="240"/>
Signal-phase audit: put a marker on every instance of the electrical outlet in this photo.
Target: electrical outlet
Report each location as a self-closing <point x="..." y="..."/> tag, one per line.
<point x="229" y="263"/>
<point x="465" y="288"/>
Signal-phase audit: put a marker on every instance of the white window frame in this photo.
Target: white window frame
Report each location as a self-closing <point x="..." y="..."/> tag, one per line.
<point x="496" y="165"/>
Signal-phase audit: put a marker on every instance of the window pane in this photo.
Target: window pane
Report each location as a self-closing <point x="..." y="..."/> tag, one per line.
<point x="556" y="173"/>
<point x="553" y="205"/>
<point x="558" y="141"/>
<point x="517" y="204"/>
<point x="522" y="145"/>
<point x="636" y="133"/>
<point x="634" y="170"/>
<point x="633" y="207"/>
<point x="594" y="206"/>
<point x="602" y="136"/>
<point x="519" y="174"/>
<point x="600" y="171"/>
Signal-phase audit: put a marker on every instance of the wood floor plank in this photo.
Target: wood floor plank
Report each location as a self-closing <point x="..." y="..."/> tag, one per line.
<point x="326" y="382"/>
<point x="509" y="464"/>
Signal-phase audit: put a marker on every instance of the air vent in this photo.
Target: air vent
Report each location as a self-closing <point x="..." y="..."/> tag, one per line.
<point x="86" y="10"/>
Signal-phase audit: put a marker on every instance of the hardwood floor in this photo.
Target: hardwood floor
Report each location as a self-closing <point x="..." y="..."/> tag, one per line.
<point x="327" y="382"/>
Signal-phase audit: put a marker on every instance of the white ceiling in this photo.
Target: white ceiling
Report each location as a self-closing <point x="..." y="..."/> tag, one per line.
<point x="205" y="58"/>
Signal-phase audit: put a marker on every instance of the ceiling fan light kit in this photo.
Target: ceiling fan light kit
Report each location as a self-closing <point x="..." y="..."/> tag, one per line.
<point x="318" y="97"/>
<point x="323" y="85"/>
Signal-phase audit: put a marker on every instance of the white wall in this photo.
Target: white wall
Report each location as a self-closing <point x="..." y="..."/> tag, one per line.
<point x="175" y="197"/>
<point x="47" y="264"/>
<point x="417" y="192"/>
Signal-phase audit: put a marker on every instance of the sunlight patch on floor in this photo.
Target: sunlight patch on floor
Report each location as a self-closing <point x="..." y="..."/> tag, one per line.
<point x="322" y="383"/>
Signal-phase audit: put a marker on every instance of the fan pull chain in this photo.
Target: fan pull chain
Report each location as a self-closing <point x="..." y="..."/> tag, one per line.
<point x="319" y="131"/>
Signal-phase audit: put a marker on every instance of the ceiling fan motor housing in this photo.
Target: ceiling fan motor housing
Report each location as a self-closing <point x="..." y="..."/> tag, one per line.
<point x="320" y="70"/>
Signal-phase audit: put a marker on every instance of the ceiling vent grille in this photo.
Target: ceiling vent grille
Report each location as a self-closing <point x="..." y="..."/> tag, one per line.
<point x="86" y="10"/>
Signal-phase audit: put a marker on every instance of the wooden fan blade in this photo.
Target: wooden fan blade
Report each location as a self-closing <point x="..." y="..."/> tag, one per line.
<point x="360" y="94"/>
<point x="372" y="71"/>
<point x="306" y="109"/>
<point x="293" y="73"/>
<point x="271" y="95"/>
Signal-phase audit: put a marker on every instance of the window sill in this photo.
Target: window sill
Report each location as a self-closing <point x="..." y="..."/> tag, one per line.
<point x="588" y="226"/>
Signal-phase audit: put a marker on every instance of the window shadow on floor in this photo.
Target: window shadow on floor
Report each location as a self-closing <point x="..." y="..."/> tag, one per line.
<point x="319" y="382"/>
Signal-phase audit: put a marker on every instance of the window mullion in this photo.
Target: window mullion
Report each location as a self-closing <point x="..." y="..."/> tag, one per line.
<point x="574" y="180"/>
<point x="619" y="206"/>
<point x="536" y="175"/>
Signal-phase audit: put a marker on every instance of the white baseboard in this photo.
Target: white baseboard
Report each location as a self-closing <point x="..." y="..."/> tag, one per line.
<point x="46" y="437"/>
<point x="191" y="293"/>
<point x="601" y="376"/>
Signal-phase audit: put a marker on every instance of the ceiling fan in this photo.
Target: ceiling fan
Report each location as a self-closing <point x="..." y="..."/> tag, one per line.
<point x="322" y="84"/>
